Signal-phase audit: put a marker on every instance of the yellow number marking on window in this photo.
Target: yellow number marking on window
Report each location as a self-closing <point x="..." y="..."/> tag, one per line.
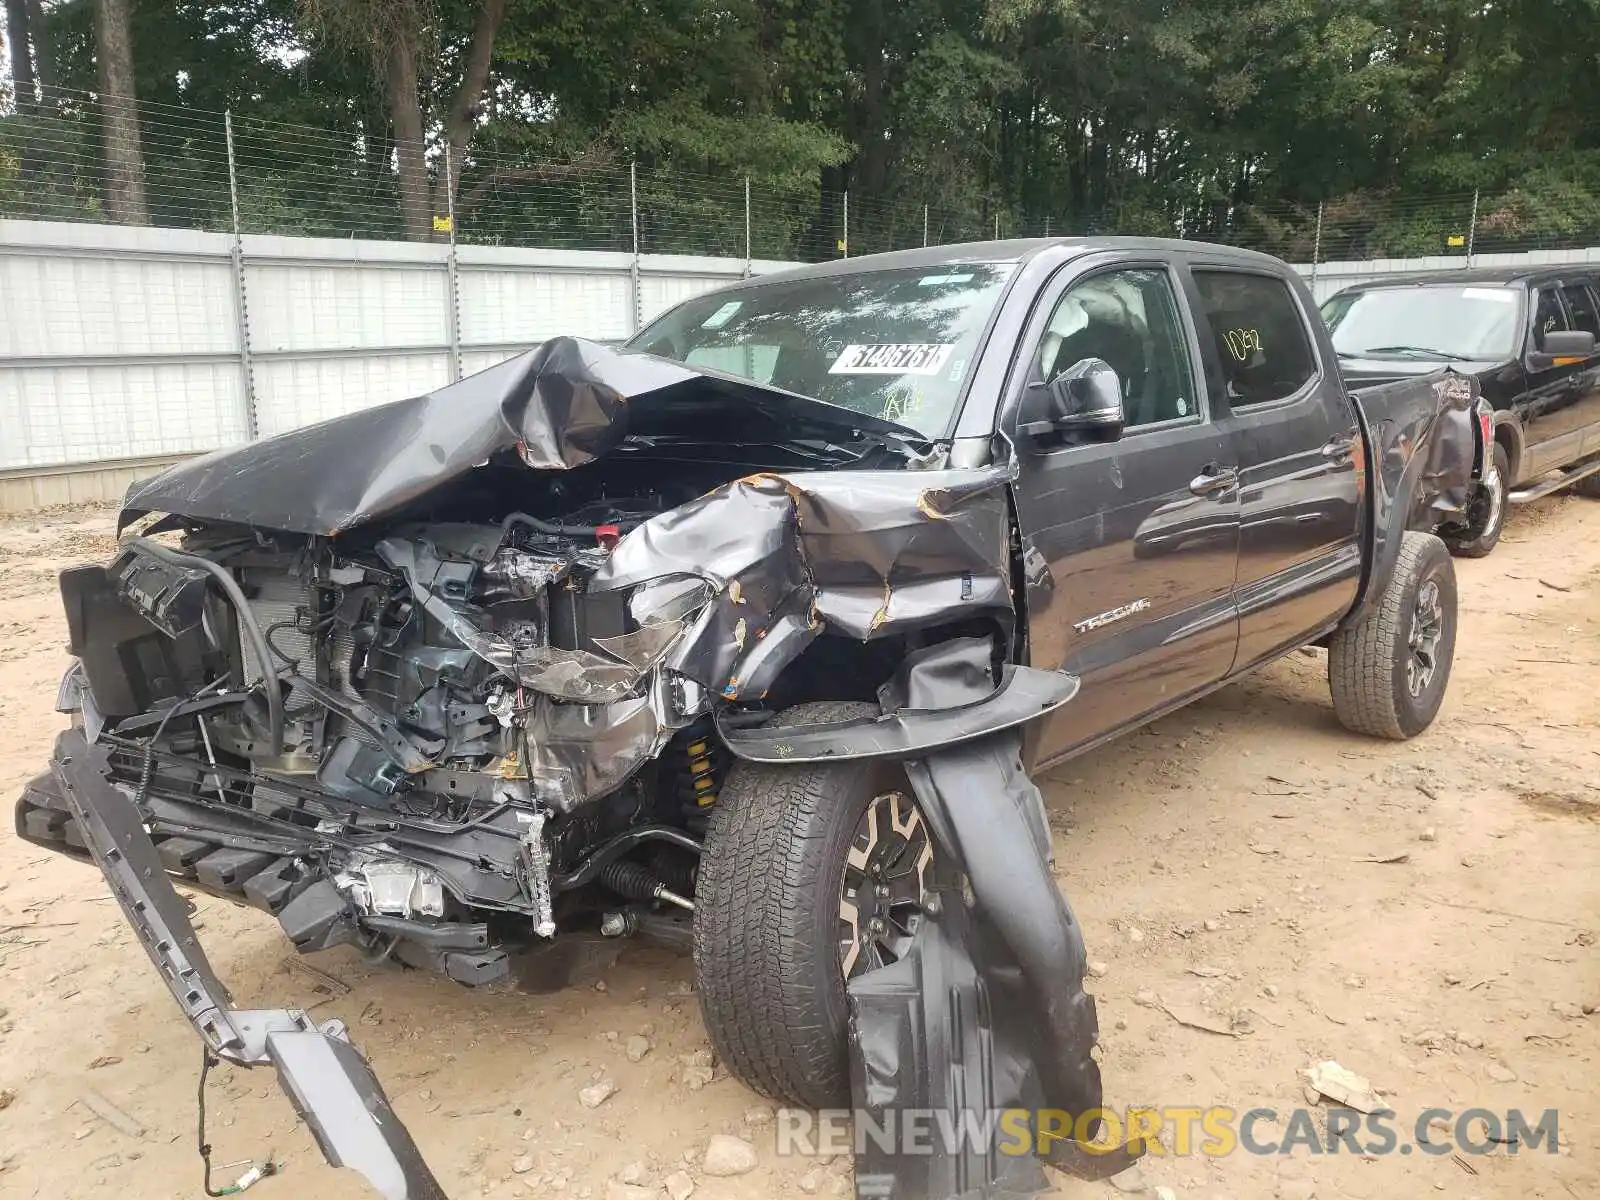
<point x="1243" y="342"/>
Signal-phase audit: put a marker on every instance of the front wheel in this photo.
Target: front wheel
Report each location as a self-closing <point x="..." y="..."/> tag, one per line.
<point x="1388" y="672"/>
<point x="811" y="873"/>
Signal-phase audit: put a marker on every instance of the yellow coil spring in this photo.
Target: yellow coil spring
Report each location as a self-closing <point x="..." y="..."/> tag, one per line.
<point x="702" y="776"/>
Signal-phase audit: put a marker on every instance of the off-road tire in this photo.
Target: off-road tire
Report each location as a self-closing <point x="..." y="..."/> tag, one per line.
<point x="1588" y="486"/>
<point x="766" y="950"/>
<point x="1367" y="661"/>
<point x="1489" y="538"/>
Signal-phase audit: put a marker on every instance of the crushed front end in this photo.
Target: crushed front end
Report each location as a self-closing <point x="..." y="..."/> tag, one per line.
<point x="459" y="678"/>
<point x="403" y="794"/>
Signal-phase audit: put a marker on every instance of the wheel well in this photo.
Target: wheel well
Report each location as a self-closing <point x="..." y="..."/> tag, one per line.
<point x="841" y="668"/>
<point x="1506" y="438"/>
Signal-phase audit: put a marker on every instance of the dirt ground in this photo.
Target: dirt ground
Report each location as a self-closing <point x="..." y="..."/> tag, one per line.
<point x="1222" y="858"/>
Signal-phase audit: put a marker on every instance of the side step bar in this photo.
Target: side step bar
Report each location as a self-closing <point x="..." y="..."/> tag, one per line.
<point x="1567" y="478"/>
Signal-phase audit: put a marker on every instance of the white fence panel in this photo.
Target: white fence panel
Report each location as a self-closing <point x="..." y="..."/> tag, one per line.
<point x="73" y="305"/>
<point x="295" y="392"/>
<point x="59" y="414"/>
<point x="346" y="307"/>
<point x="115" y="343"/>
<point x="514" y="306"/>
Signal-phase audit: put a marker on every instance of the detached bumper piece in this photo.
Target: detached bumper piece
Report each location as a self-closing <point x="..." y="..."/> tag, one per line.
<point x="326" y="1078"/>
<point x="987" y="1012"/>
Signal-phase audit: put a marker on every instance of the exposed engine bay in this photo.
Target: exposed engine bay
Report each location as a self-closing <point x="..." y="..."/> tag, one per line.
<point x="498" y="706"/>
<point x="435" y="796"/>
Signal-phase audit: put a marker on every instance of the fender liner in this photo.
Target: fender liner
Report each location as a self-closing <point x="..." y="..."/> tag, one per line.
<point x="987" y="1012"/>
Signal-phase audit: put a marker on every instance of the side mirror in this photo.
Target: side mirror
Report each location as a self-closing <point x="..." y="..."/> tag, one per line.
<point x="1562" y="347"/>
<point x="1084" y="400"/>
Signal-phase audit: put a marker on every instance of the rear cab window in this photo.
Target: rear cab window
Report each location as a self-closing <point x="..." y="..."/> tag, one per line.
<point x="1581" y="308"/>
<point x="1259" y="333"/>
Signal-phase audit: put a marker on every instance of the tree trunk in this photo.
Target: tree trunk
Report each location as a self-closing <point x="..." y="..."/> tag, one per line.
<point x="21" y="56"/>
<point x="119" y="106"/>
<point x="43" y="68"/>
<point x="405" y="113"/>
<point x="18" y="31"/>
<point x="469" y="94"/>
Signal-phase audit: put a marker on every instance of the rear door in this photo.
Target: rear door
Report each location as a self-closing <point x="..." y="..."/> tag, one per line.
<point x="1298" y="447"/>
<point x="1129" y="545"/>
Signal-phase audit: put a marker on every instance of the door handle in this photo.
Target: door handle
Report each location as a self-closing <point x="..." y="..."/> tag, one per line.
<point x="1211" y="481"/>
<point x="1340" y="447"/>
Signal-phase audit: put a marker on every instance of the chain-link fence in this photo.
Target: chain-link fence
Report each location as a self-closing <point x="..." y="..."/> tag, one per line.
<point x="219" y="171"/>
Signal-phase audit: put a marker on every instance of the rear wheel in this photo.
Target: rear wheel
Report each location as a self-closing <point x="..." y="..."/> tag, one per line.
<point x="811" y="873"/>
<point x="1486" y="516"/>
<point x="1588" y="486"/>
<point x="1389" y="671"/>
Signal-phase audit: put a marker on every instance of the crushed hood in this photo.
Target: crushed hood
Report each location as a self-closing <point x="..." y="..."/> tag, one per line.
<point x="558" y="406"/>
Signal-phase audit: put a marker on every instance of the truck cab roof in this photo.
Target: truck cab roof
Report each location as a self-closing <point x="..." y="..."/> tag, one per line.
<point x="1012" y="250"/>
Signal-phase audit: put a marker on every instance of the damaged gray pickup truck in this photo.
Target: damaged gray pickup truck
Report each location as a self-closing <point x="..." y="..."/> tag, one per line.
<point x="745" y="637"/>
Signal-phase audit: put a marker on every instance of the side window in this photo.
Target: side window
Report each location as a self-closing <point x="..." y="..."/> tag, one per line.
<point x="1580" y="303"/>
<point x="1261" y="338"/>
<point x="1130" y="320"/>
<point x="1547" y="316"/>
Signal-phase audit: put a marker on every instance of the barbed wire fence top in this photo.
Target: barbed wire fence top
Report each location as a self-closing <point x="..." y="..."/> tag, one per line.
<point x="310" y="181"/>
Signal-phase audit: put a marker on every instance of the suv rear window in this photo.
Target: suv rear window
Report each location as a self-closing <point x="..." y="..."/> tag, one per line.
<point x="1260" y="336"/>
<point x="1580" y="303"/>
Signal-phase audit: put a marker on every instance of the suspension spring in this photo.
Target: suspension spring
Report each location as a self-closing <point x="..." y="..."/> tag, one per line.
<point x="698" y="771"/>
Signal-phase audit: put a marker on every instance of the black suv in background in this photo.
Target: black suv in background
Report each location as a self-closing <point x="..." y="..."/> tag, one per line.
<point x="1526" y="334"/>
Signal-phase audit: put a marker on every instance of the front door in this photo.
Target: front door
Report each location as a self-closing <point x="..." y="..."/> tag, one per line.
<point x="1553" y="409"/>
<point x="1129" y="545"/>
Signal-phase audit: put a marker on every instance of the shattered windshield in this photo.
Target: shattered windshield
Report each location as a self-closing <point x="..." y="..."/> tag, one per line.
<point x="1447" y="321"/>
<point x="893" y="344"/>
